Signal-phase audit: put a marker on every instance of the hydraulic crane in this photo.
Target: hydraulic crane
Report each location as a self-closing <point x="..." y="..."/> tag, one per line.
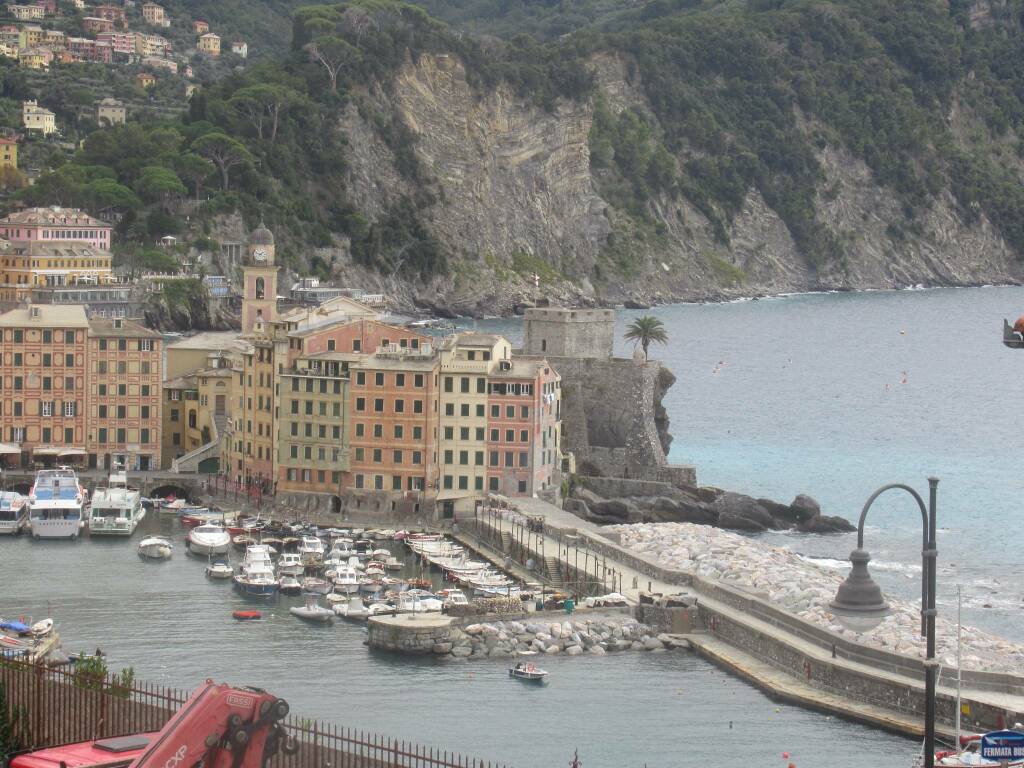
<point x="218" y="727"/>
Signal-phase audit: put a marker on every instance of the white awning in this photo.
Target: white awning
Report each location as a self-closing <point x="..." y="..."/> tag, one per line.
<point x="72" y="452"/>
<point x="46" y="450"/>
<point x="6" y="449"/>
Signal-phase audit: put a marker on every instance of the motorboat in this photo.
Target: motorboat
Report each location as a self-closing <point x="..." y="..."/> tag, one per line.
<point x="290" y="564"/>
<point x="393" y="563"/>
<point x="116" y="510"/>
<point x="219" y="570"/>
<point x="256" y="573"/>
<point x="346" y="580"/>
<point x="969" y="756"/>
<point x="380" y="554"/>
<point x="378" y="609"/>
<point x="452" y="597"/>
<point x="528" y="672"/>
<point x="208" y="539"/>
<point x="311" y="551"/>
<point x="418" y="601"/>
<point x="41" y="628"/>
<point x="155" y="548"/>
<point x="242" y="541"/>
<point x="13" y="512"/>
<point x="55" y="504"/>
<point x="313" y="611"/>
<point x="191" y="517"/>
<point x="316" y="586"/>
<point x="374" y="568"/>
<point x="289" y="585"/>
<point x="353" y="609"/>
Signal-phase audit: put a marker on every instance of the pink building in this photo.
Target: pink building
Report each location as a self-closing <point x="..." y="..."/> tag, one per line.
<point x="55" y="224"/>
<point x="121" y="42"/>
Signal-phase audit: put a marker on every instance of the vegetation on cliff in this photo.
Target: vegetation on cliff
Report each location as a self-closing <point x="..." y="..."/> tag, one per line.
<point x="733" y="97"/>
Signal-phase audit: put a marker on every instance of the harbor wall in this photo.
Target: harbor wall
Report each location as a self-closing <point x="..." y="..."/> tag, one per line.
<point x="788" y="643"/>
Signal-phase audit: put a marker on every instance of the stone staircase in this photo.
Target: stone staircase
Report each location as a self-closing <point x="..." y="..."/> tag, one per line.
<point x="191" y="460"/>
<point x="553" y="571"/>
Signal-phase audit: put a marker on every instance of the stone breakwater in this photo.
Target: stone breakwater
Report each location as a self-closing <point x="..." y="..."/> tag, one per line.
<point x="504" y="639"/>
<point x="805" y="589"/>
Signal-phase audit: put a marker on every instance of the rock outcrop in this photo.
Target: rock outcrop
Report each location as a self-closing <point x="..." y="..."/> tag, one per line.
<point x="706" y="506"/>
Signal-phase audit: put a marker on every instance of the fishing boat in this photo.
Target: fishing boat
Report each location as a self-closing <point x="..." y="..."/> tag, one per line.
<point x="155" y="548"/>
<point x="312" y="611"/>
<point x="353" y="609"/>
<point x="219" y="570"/>
<point x="256" y="574"/>
<point x="208" y="539"/>
<point x="55" y="504"/>
<point x="116" y="510"/>
<point x="528" y="672"/>
<point x="311" y="551"/>
<point x="346" y="580"/>
<point x="290" y="564"/>
<point x="13" y="512"/>
<point x="289" y="585"/>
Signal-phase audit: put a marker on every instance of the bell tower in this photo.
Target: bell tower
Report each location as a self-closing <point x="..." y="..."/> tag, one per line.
<point x="259" y="296"/>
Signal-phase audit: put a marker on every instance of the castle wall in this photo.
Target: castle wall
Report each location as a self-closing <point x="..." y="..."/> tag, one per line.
<point x="556" y="332"/>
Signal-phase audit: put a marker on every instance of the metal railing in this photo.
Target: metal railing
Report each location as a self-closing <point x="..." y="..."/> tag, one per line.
<point x="62" y="706"/>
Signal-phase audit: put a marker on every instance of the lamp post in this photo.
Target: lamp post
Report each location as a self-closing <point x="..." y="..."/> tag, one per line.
<point x="859" y="604"/>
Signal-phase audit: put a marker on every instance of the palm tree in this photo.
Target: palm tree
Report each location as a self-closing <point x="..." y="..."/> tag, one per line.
<point x="646" y="329"/>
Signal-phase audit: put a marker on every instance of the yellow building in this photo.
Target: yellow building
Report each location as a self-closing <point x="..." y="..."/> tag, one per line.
<point x="209" y="44"/>
<point x="24" y="265"/>
<point x="31" y="35"/>
<point x="195" y="410"/>
<point x="38" y="58"/>
<point x="36" y="118"/>
<point x="8" y="153"/>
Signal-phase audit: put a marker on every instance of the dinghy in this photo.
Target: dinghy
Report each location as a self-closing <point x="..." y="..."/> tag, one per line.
<point x="353" y="609"/>
<point x="155" y="548"/>
<point x="313" y="611"/>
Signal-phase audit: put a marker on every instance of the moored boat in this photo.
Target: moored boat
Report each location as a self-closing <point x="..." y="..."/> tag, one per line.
<point x="155" y="548"/>
<point x="528" y="672"/>
<point x="219" y="570"/>
<point x="116" y="510"/>
<point x="313" y="611"/>
<point x="55" y="504"/>
<point x="289" y="585"/>
<point x="256" y="574"/>
<point x="208" y="539"/>
<point x="353" y="609"/>
<point x="13" y="512"/>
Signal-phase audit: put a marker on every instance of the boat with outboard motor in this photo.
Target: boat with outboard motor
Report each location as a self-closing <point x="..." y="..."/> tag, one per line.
<point x="208" y="539"/>
<point x="155" y="548"/>
<point x="56" y="503"/>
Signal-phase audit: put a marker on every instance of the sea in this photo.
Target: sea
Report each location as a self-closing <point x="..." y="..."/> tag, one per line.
<point x="832" y="395"/>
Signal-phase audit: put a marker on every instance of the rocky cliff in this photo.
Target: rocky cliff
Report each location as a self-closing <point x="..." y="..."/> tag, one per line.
<point x="515" y="194"/>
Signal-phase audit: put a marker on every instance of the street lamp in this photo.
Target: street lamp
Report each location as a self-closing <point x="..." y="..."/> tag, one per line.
<point x="859" y="604"/>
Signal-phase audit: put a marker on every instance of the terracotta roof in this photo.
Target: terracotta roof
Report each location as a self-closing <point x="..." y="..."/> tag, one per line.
<point x="54" y="216"/>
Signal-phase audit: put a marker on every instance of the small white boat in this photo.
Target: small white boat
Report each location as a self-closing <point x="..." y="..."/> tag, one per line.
<point x="316" y="586"/>
<point x="346" y="580"/>
<point x="116" y="510"/>
<point x="527" y="671"/>
<point x="353" y="609"/>
<point x="312" y="611"/>
<point x="290" y="585"/>
<point x="453" y="597"/>
<point x="381" y="554"/>
<point x="208" y="539"/>
<point x="414" y="601"/>
<point x="393" y="563"/>
<point x="42" y="628"/>
<point x="380" y="608"/>
<point x="219" y="570"/>
<point x="155" y="548"/>
<point x="290" y="564"/>
<point x="374" y="568"/>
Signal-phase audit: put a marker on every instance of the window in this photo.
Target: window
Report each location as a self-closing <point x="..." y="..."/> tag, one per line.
<point x="17" y="382"/>
<point x="463" y="433"/>
<point x="449" y="409"/>
<point x="464" y="410"/>
<point x="175" y="414"/>
<point x="417" y="433"/>
<point x="103" y="436"/>
<point x="510" y="435"/>
<point x="478" y="483"/>
<point x="510" y="411"/>
<point x="361" y="379"/>
<point x="357" y="345"/>
<point x="495" y="411"/>
<point x="18" y="359"/>
<point x="492" y="483"/>
<point x="463" y="483"/>
<point x="396" y="483"/>
<point x="331" y="345"/>
<point x="481" y="386"/>
<point x="449" y="432"/>
<point x="478" y="458"/>
<point x="143" y="435"/>
<point x="17" y="407"/>
<point x="46" y="409"/>
<point x="145" y="345"/>
<point x="464" y="384"/>
<point x="145" y="367"/>
<point x="524" y="435"/>
<point x="449" y="457"/>
<point x="524" y="411"/>
<point x="448" y="380"/>
<point x="47" y="359"/>
<point x="69" y="360"/>
<point x="399" y="379"/>
<point x="122" y="367"/>
<point x="448" y="481"/>
<point x="509" y="459"/>
<point x="464" y="457"/>
<point x="397" y="457"/>
<point x="359" y="481"/>
<point x="122" y="345"/>
<point x="417" y="406"/>
<point x="524" y="459"/>
<point x="360" y="403"/>
<point x="494" y="458"/>
<point x="494" y="435"/>
<point x="378" y="405"/>
<point x="69" y="337"/>
<point x="378" y="379"/>
<point x="48" y="339"/>
<point x="417" y="457"/>
<point x="399" y="406"/>
<point x="480" y="433"/>
<point x="378" y="430"/>
<point x="69" y="408"/>
<point x="19" y="336"/>
<point x="360" y="429"/>
<point x="399" y="431"/>
<point x="377" y="456"/>
<point x="522" y="486"/>
<point x="295" y="406"/>
<point x="417" y="380"/>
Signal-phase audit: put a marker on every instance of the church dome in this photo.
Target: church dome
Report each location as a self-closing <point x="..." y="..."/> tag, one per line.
<point x="261" y="235"/>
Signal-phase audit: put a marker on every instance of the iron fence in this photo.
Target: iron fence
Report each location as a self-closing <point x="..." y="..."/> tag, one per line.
<point x="61" y="705"/>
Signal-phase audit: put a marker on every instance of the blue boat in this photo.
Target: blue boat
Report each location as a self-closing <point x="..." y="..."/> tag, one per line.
<point x="256" y="574"/>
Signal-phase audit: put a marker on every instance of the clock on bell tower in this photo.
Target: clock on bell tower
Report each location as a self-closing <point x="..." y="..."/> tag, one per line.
<point x="259" y="297"/>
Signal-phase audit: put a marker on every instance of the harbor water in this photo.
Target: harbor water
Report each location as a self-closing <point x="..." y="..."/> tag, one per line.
<point x="831" y="395"/>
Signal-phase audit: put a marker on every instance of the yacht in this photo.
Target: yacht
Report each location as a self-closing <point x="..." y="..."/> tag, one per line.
<point x="208" y="539"/>
<point x="256" y="574"/>
<point x="116" y="510"/>
<point x="55" y="504"/>
<point x="13" y="512"/>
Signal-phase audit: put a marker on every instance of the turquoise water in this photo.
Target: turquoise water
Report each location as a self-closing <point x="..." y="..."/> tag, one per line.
<point x="799" y="404"/>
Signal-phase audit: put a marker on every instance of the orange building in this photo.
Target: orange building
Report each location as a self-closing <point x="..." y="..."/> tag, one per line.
<point x="123" y="395"/>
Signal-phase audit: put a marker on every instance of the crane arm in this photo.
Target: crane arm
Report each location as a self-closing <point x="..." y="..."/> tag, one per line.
<point x="220" y="727"/>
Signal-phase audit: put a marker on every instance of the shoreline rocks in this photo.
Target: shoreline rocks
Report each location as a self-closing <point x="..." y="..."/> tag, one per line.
<point x="805" y="589"/>
<point x="705" y="506"/>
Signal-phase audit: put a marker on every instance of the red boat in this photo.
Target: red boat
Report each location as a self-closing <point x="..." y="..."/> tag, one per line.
<point x="247" y="615"/>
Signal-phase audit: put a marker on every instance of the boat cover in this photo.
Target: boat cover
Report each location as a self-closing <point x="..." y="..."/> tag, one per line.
<point x="14" y="626"/>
